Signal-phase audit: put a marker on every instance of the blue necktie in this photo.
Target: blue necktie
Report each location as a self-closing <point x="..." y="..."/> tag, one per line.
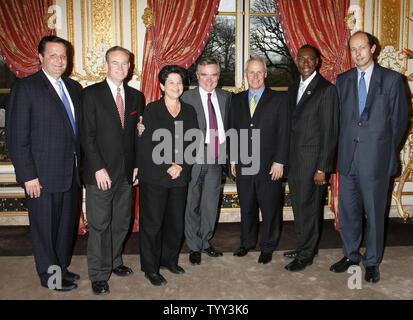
<point x="362" y="93"/>
<point x="67" y="106"/>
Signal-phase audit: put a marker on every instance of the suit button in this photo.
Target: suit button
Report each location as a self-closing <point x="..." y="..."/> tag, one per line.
<point x="359" y="124"/>
<point x="251" y="125"/>
<point x="356" y="140"/>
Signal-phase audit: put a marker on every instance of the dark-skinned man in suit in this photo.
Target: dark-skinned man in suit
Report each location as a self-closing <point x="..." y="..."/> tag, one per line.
<point x="260" y="118"/>
<point x="43" y="143"/>
<point x="110" y="110"/>
<point x="373" y="119"/>
<point x="313" y="140"/>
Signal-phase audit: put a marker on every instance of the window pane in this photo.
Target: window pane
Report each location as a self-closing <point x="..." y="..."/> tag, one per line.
<point x="220" y="45"/>
<point x="262" y="6"/>
<point x="7" y="78"/>
<point x="267" y="41"/>
<point x="227" y="6"/>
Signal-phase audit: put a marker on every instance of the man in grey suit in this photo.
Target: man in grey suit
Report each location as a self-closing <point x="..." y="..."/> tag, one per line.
<point x="314" y="131"/>
<point x="373" y="119"/>
<point x="211" y="105"/>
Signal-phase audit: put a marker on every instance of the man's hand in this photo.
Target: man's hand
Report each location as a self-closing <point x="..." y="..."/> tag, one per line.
<point x="174" y="171"/>
<point x="276" y="171"/>
<point x="103" y="180"/>
<point x="33" y="188"/>
<point x="320" y="178"/>
<point x="141" y="127"/>
<point x="135" y="177"/>
<point x="233" y="171"/>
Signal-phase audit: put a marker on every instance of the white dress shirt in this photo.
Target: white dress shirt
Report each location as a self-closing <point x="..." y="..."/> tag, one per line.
<point x="214" y="100"/>
<point x="367" y="76"/>
<point x="303" y="85"/>
<point x="53" y="81"/>
<point x="114" y="90"/>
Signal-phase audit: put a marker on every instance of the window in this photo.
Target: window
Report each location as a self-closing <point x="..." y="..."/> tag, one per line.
<point x="245" y="28"/>
<point x="7" y="78"/>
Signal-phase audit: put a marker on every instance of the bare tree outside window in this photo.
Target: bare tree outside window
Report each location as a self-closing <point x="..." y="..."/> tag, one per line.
<point x="266" y="40"/>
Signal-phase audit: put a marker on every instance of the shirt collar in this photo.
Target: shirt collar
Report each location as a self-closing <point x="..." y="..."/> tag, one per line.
<point x="368" y="71"/>
<point x="203" y="92"/>
<point x="113" y="87"/>
<point x="307" y="81"/>
<point x="258" y="92"/>
<point x="51" y="79"/>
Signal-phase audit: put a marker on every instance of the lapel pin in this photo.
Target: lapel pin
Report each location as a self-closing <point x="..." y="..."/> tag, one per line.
<point x="308" y="92"/>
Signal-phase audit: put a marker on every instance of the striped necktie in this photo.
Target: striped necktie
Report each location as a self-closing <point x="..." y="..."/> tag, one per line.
<point x="253" y="104"/>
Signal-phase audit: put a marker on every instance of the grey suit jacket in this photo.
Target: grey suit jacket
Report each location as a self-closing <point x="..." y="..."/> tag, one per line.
<point x="193" y="98"/>
<point x="379" y="130"/>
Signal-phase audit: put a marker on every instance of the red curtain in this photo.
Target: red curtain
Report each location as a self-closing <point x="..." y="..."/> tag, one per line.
<point x="22" y="25"/>
<point x="178" y="34"/>
<point x="319" y="23"/>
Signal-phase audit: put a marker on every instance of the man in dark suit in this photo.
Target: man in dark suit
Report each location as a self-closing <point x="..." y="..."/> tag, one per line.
<point x="260" y="118"/>
<point x="314" y="131"/>
<point x="42" y="139"/>
<point x="373" y="119"/>
<point x="205" y="185"/>
<point x="110" y="110"/>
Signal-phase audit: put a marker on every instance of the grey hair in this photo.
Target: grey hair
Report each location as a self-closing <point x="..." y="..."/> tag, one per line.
<point x="203" y="61"/>
<point x="255" y="59"/>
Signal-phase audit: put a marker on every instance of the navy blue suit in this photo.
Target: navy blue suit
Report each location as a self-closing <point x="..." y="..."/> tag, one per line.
<point x="367" y="157"/>
<point x="42" y="145"/>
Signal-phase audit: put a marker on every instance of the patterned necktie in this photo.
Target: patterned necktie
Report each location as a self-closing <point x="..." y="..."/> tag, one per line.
<point x="213" y="129"/>
<point x="362" y="93"/>
<point x="66" y="103"/>
<point x="253" y="105"/>
<point x="121" y="111"/>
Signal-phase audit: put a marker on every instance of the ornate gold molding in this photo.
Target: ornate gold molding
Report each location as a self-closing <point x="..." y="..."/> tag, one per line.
<point x="147" y="17"/>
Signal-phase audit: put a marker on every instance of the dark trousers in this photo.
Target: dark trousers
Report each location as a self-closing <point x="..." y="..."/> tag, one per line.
<point x="161" y="225"/>
<point x="109" y="215"/>
<point x="307" y="202"/>
<point x="357" y="191"/>
<point x="52" y="219"/>
<point x="254" y="193"/>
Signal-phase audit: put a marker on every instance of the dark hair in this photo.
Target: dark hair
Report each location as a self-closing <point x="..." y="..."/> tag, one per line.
<point x="204" y="61"/>
<point x="372" y="40"/>
<point x="42" y="44"/>
<point x="117" y="48"/>
<point x="308" y="46"/>
<point x="167" y="70"/>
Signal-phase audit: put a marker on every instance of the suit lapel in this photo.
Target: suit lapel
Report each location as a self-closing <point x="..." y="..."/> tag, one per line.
<point x="353" y="87"/>
<point x="221" y="102"/>
<point x="309" y="91"/>
<point x="109" y="101"/>
<point x="375" y="85"/>
<point x="261" y="104"/>
<point x="50" y="91"/>
<point x="197" y="104"/>
<point x="76" y="103"/>
<point x="129" y="107"/>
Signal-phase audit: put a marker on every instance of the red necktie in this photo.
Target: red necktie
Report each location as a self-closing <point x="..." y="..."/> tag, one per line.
<point x="119" y="105"/>
<point x="213" y="129"/>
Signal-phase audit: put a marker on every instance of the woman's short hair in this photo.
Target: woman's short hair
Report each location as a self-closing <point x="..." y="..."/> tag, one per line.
<point x="167" y="70"/>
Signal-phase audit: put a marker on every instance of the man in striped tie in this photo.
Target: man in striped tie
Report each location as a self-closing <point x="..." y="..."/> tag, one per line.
<point x="110" y="110"/>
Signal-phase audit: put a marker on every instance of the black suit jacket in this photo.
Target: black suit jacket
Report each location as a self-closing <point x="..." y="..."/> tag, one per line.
<point x="105" y="143"/>
<point x="156" y="116"/>
<point x="271" y="117"/>
<point x="40" y="138"/>
<point x="314" y="128"/>
<point x="379" y="129"/>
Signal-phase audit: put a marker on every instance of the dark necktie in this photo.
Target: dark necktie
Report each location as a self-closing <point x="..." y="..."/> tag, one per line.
<point x="213" y="129"/>
<point x="362" y="93"/>
<point x="66" y="103"/>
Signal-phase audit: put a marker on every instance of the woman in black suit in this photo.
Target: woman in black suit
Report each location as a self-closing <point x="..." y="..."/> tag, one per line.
<point x="163" y="176"/>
